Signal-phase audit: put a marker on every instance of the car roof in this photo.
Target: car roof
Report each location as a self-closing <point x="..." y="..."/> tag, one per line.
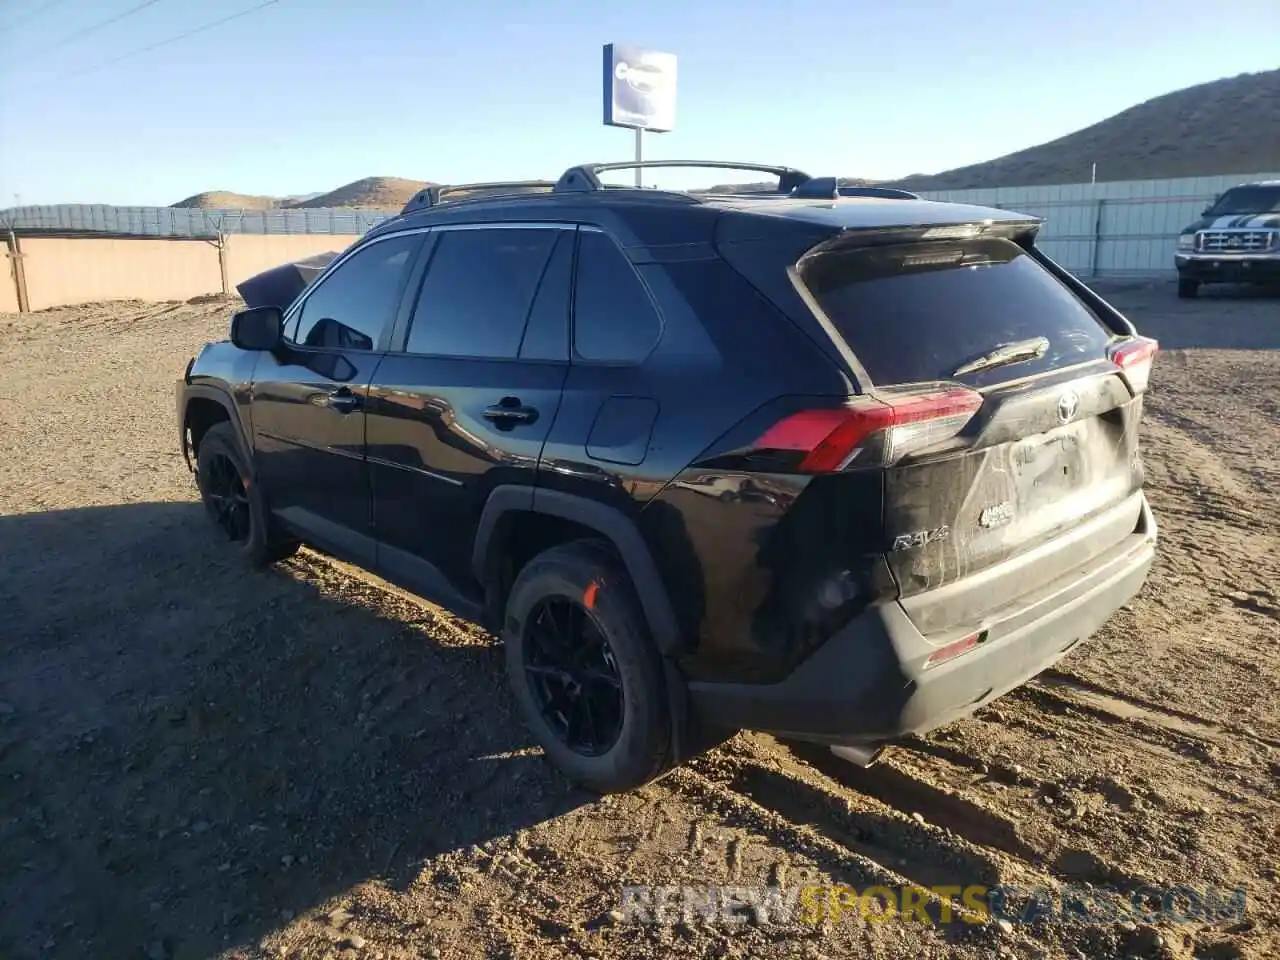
<point x="835" y="215"/>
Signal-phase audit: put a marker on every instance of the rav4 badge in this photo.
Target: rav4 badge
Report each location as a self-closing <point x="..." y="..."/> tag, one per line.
<point x="920" y="538"/>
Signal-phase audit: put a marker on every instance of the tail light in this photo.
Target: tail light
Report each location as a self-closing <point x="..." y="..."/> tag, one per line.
<point x="873" y="431"/>
<point x="1134" y="357"/>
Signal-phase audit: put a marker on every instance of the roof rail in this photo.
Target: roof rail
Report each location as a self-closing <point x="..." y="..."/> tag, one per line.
<point x="585" y="178"/>
<point x="436" y="194"/>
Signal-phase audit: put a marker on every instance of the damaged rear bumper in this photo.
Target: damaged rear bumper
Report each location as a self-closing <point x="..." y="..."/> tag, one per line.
<point x="872" y="682"/>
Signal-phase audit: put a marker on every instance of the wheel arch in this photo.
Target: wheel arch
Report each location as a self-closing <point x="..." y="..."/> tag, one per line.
<point x="203" y="407"/>
<point x="507" y="503"/>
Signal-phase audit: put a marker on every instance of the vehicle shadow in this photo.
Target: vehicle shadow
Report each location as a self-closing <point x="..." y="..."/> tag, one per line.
<point x="191" y="751"/>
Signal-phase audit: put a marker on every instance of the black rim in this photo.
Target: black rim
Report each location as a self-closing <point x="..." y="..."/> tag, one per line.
<point x="225" y="496"/>
<point x="573" y="676"/>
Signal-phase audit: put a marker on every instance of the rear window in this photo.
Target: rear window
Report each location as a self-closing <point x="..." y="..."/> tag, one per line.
<point x="914" y="312"/>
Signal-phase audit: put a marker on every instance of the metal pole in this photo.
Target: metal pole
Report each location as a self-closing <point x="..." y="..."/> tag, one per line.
<point x="18" y="272"/>
<point x="1096" y="253"/>
<point x="639" y="155"/>
<point x="222" y="263"/>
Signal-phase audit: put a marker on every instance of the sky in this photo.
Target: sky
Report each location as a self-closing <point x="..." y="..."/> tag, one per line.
<point x="302" y="96"/>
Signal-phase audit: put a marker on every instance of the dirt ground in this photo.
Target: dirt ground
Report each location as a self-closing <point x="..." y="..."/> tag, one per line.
<point x="197" y="759"/>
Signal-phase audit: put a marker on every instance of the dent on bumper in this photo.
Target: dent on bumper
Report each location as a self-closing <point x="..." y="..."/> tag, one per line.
<point x="867" y="684"/>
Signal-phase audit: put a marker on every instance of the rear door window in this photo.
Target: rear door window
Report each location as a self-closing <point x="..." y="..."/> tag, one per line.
<point x="546" y="334"/>
<point x="478" y="292"/>
<point x="916" y="312"/>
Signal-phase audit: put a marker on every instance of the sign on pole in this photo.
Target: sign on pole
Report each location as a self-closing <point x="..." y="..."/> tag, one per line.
<point x="639" y="91"/>
<point x="639" y="88"/>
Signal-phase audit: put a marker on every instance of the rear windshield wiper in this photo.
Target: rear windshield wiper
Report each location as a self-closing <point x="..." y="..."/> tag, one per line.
<point x="1006" y="353"/>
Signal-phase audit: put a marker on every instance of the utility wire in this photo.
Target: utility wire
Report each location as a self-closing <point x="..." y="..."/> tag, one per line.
<point x="165" y="43"/>
<point x="94" y="28"/>
<point x="31" y="14"/>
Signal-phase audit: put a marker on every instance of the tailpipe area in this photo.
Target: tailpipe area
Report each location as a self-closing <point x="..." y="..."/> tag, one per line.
<point x="860" y="756"/>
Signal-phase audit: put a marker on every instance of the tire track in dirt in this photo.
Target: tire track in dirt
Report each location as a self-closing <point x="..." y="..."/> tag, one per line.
<point x="928" y="834"/>
<point x="1123" y="707"/>
<point x="827" y="841"/>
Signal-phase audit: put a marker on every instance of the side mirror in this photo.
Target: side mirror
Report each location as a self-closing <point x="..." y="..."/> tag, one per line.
<point x="257" y="328"/>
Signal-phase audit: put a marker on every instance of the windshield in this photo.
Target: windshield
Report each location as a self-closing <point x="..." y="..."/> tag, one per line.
<point x="1247" y="200"/>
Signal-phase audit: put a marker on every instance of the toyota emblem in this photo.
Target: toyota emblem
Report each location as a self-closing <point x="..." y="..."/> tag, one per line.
<point x="1068" y="404"/>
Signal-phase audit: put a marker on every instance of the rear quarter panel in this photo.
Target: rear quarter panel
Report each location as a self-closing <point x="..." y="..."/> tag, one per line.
<point x="725" y="353"/>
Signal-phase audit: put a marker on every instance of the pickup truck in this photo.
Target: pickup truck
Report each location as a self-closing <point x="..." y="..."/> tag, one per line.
<point x="1236" y="240"/>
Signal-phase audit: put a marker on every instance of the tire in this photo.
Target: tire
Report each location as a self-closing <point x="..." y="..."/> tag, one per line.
<point x="585" y="577"/>
<point x="240" y="513"/>
<point x="1187" y="289"/>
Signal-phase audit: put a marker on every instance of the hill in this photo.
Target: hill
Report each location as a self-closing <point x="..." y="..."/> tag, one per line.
<point x="374" y="193"/>
<point x="1224" y="126"/>
<point x="1221" y="127"/>
<point x="225" y="200"/>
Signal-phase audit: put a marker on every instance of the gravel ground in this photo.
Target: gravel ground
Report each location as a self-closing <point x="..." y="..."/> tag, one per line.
<point x="199" y="760"/>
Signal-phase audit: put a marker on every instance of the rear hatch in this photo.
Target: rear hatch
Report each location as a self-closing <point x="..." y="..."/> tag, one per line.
<point x="1001" y="410"/>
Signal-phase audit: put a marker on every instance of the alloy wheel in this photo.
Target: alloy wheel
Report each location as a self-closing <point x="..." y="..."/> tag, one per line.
<point x="225" y="496"/>
<point x="573" y="676"/>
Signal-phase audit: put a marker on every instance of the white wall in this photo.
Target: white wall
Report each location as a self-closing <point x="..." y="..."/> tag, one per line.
<point x="1122" y="228"/>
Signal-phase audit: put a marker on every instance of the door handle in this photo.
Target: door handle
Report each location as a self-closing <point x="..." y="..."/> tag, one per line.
<point x="342" y="400"/>
<point x="509" y="411"/>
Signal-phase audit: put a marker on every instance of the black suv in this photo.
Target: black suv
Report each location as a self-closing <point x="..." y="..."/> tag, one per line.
<point x="837" y="464"/>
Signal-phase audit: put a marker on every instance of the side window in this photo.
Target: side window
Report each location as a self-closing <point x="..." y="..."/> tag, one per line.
<point x="478" y="291"/>
<point x="546" y="335"/>
<point x="614" y="320"/>
<point x="350" y="308"/>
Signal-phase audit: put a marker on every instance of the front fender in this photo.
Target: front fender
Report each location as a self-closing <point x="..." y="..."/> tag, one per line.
<point x="221" y="374"/>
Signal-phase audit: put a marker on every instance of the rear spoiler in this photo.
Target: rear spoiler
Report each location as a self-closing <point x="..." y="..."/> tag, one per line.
<point x="1022" y="231"/>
